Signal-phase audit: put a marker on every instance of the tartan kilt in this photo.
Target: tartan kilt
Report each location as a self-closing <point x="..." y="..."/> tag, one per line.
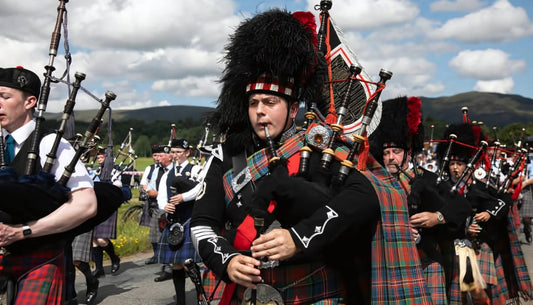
<point x="165" y="255"/>
<point x="44" y="284"/>
<point x="154" y="234"/>
<point x="485" y="260"/>
<point x="454" y="291"/>
<point x="435" y="281"/>
<point x="213" y="285"/>
<point x="107" y="229"/>
<point x="500" y="292"/>
<point x="527" y="202"/>
<point x="81" y="247"/>
<point x="16" y="265"/>
<point x="145" y="215"/>
<point x="301" y="284"/>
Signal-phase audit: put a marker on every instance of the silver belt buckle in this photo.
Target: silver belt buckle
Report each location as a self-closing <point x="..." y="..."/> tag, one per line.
<point x="269" y="264"/>
<point x="241" y="179"/>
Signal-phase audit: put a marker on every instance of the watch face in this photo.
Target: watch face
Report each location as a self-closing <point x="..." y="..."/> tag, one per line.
<point x="26" y="231"/>
<point x="439" y="217"/>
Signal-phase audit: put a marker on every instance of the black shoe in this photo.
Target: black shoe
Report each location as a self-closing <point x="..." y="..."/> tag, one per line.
<point x="92" y="292"/>
<point x="151" y="260"/>
<point x="163" y="277"/>
<point x="527" y="233"/>
<point x="98" y="273"/>
<point x="115" y="265"/>
<point x="73" y="301"/>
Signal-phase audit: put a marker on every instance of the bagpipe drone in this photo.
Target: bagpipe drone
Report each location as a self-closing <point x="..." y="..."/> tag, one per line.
<point x="35" y="193"/>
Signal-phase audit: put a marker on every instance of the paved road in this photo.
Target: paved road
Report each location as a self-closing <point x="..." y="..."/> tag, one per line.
<point x="134" y="283"/>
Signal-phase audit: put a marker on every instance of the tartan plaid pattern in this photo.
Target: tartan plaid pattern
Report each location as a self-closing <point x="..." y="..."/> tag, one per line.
<point x="43" y="285"/>
<point x="322" y="285"/>
<point x="485" y="261"/>
<point x="500" y="292"/>
<point x="435" y="281"/>
<point x="405" y="183"/>
<point x="454" y="293"/>
<point x="258" y="162"/>
<point x="40" y="276"/>
<point x="145" y="215"/>
<point x="165" y="255"/>
<point x="525" y="289"/>
<point x="527" y="202"/>
<point x="397" y="276"/>
<point x="267" y="82"/>
<point x="16" y="265"/>
<point x="81" y="247"/>
<point x="209" y="282"/>
<point x="154" y="234"/>
<point x="108" y="228"/>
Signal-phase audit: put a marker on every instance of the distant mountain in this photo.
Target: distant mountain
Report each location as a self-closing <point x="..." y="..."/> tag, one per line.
<point x="494" y="109"/>
<point x="148" y="115"/>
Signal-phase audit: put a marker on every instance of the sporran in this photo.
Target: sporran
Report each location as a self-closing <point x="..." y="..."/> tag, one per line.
<point x="266" y="295"/>
<point x="176" y="235"/>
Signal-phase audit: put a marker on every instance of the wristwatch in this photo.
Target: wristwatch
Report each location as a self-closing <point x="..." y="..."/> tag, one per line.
<point x="26" y="230"/>
<point x="440" y="218"/>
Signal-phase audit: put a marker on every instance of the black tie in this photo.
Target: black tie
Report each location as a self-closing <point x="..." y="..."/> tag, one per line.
<point x="160" y="173"/>
<point x="10" y="149"/>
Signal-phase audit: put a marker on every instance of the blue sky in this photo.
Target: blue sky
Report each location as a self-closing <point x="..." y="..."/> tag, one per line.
<point x="166" y="53"/>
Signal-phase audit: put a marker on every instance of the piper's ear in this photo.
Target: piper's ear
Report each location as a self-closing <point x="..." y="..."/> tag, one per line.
<point x="30" y="102"/>
<point x="293" y="110"/>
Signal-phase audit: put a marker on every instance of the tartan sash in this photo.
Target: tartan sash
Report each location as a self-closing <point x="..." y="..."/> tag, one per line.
<point x="397" y="276"/>
<point x="258" y="162"/>
<point x="525" y="288"/>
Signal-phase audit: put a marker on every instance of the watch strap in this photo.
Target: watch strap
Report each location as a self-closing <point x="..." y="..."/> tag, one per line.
<point x="26" y="230"/>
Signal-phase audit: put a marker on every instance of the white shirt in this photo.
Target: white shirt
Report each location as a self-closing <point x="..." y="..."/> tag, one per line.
<point x="65" y="152"/>
<point x="162" y="197"/>
<point x="144" y="178"/>
<point x="162" y="200"/>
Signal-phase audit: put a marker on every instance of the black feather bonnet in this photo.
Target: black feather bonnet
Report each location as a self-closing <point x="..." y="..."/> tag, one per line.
<point x="400" y="126"/>
<point x="274" y="47"/>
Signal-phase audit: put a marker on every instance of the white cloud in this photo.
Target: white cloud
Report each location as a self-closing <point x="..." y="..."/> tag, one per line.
<point x="162" y="53"/>
<point x="147" y="25"/>
<point x="411" y="76"/>
<point x="371" y="14"/>
<point x="456" y="5"/>
<point x="489" y="64"/>
<point x="189" y="86"/>
<point x="504" y="85"/>
<point x="141" y="41"/>
<point x="498" y="23"/>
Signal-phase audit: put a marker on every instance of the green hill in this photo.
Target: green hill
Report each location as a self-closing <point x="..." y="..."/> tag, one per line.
<point x="147" y="115"/>
<point x="494" y="109"/>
